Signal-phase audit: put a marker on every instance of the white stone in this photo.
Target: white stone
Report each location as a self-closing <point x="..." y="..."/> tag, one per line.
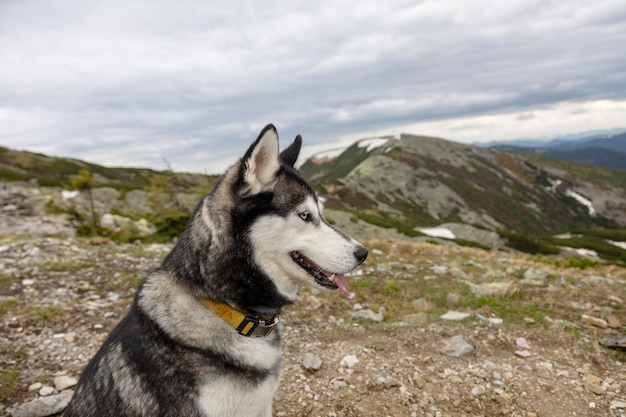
<point x="523" y="353"/>
<point x="349" y="361"/>
<point x="457" y="347"/>
<point x="615" y="404"/>
<point x="64" y="382"/>
<point x="521" y="342"/>
<point x="46" y="390"/>
<point x="35" y="387"/>
<point x="367" y="314"/>
<point x="311" y="362"/>
<point x="455" y="315"/>
<point x="43" y="406"/>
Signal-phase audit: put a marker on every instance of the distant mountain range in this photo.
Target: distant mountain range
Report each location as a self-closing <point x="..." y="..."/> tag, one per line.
<point x="607" y="150"/>
<point x="408" y="181"/>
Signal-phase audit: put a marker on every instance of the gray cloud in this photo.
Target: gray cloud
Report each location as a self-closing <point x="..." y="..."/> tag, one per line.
<point x="132" y="83"/>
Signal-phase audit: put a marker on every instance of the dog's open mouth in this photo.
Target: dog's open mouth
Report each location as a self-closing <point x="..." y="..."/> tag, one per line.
<point x="330" y="280"/>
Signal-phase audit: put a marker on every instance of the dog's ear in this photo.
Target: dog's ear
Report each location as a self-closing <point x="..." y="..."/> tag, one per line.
<point x="290" y="155"/>
<point x="261" y="162"/>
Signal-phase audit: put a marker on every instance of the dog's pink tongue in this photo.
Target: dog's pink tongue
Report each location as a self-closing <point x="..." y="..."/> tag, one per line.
<point x="340" y="280"/>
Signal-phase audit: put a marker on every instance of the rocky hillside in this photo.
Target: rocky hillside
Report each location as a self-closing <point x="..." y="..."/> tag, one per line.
<point x="427" y="330"/>
<point x="400" y="187"/>
<point x="57" y="172"/>
<point x="406" y="182"/>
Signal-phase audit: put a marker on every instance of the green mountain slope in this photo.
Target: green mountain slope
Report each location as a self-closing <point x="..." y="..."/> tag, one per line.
<point x="53" y="171"/>
<point x="418" y="181"/>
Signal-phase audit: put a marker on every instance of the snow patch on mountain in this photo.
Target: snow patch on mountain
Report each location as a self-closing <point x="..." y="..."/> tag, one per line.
<point x="441" y="232"/>
<point x="557" y="186"/>
<point x="371" y="144"/>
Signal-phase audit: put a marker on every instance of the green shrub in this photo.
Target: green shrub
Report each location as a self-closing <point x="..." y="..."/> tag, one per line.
<point x="171" y="226"/>
<point x="528" y="244"/>
<point x="582" y="263"/>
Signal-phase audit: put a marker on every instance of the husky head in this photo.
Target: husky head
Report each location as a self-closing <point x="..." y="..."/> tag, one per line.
<point x="261" y="233"/>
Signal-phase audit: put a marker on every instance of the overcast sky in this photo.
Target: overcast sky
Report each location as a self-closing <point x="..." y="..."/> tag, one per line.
<point x="134" y="83"/>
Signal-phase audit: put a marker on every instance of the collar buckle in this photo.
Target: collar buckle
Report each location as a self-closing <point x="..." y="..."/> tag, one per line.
<point x="257" y="327"/>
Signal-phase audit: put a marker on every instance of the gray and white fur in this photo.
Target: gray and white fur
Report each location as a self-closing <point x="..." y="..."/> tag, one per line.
<point x="250" y="244"/>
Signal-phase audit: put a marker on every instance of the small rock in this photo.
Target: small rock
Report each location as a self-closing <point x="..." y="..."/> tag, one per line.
<point x="418" y="380"/>
<point x="439" y="269"/>
<point x="338" y="384"/>
<point x="615" y="404"/>
<point x="478" y="390"/>
<point x="46" y="390"/>
<point x="614" y="321"/>
<point x="35" y="387"/>
<point x="614" y="342"/>
<point x="579" y="306"/>
<point x="43" y="406"/>
<point x="593" y="378"/>
<point x="69" y="337"/>
<point x="421" y="304"/>
<point x="504" y="399"/>
<point x="457" y="347"/>
<point x="534" y="277"/>
<point x="312" y="362"/>
<point x="367" y="314"/>
<point x="522" y="342"/>
<point x="64" y="382"/>
<point x="594" y="321"/>
<point x="98" y="326"/>
<point x="595" y="388"/>
<point x="28" y="282"/>
<point x="529" y="320"/>
<point x="522" y="353"/>
<point x="455" y="315"/>
<point x="349" y="361"/>
<point x="391" y="383"/>
<point x="491" y="289"/>
<point x="615" y="299"/>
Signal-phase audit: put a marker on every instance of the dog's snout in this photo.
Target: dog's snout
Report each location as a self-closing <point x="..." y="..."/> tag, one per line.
<point x="361" y="253"/>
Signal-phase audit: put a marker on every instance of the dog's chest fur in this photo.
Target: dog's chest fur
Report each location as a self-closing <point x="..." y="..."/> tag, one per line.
<point x="227" y="397"/>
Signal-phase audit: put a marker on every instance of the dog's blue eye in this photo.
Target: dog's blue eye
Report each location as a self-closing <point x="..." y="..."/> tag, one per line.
<point x="306" y="216"/>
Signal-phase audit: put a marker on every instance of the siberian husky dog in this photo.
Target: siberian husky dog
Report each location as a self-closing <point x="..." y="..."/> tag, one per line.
<point x="202" y="335"/>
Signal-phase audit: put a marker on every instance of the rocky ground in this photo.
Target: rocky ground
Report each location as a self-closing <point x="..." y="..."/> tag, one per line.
<point x="519" y="335"/>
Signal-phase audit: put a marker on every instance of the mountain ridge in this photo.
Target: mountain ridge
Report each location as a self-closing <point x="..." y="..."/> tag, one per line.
<point x="424" y="181"/>
<point x="407" y="182"/>
<point x="602" y="150"/>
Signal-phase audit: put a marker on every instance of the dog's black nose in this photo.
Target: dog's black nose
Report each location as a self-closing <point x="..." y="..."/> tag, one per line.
<point x="360" y="254"/>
